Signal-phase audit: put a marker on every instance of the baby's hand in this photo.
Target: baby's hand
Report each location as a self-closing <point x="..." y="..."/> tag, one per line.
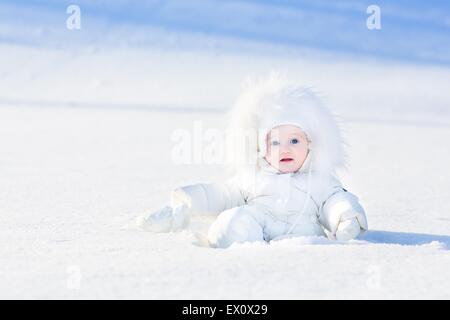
<point x="348" y="229"/>
<point x="165" y="219"/>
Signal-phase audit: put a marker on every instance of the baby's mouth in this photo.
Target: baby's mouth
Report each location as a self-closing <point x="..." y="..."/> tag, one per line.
<point x="286" y="159"/>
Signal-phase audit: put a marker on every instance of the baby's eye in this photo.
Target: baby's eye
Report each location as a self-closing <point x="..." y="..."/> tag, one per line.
<point x="275" y="143"/>
<point x="294" y="141"/>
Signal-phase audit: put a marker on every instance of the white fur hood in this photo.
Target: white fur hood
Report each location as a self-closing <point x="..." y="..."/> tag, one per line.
<point x="267" y="103"/>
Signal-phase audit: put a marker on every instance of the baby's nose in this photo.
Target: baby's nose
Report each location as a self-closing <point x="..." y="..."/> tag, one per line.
<point x="285" y="152"/>
<point x="285" y="148"/>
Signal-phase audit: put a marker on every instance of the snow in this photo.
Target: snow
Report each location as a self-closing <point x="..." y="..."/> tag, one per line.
<point x="85" y="147"/>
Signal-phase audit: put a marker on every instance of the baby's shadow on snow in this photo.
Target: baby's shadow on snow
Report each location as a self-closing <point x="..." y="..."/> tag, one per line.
<point x="405" y="238"/>
<point x="371" y="237"/>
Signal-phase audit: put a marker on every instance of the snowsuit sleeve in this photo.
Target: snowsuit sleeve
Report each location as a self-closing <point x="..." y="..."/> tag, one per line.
<point x="209" y="198"/>
<point x="339" y="206"/>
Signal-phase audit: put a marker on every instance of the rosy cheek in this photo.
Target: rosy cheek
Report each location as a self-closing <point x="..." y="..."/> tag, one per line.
<point x="273" y="157"/>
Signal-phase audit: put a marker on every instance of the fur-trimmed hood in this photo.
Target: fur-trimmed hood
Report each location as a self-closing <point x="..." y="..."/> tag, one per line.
<point x="264" y="104"/>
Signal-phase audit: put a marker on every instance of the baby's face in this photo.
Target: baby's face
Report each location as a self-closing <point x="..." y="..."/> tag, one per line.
<point x="287" y="148"/>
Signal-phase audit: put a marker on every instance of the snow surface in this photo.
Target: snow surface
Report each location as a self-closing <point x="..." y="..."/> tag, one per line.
<point x="85" y="147"/>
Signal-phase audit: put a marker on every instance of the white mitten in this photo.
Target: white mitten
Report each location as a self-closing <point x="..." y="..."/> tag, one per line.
<point x="165" y="220"/>
<point x="343" y="217"/>
<point x="180" y="217"/>
<point x="348" y="229"/>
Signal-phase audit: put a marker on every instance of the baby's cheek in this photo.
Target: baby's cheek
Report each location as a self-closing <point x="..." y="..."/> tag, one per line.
<point x="269" y="157"/>
<point x="272" y="159"/>
<point x="274" y="156"/>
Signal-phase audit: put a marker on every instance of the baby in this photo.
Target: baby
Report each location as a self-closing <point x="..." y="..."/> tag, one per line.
<point x="291" y="188"/>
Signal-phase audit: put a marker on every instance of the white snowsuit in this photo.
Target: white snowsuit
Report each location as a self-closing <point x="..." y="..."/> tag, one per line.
<point x="259" y="202"/>
<point x="269" y="207"/>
